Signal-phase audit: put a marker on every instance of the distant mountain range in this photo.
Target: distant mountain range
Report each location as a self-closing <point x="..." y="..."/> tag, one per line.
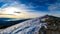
<point x="7" y="22"/>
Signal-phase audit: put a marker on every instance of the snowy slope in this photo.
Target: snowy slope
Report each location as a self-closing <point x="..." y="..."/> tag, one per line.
<point x="28" y="27"/>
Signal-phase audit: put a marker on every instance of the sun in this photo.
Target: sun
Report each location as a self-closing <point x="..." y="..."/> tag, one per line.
<point x="12" y="11"/>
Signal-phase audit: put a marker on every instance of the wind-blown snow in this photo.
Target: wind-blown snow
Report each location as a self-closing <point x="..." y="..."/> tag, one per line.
<point x="31" y="26"/>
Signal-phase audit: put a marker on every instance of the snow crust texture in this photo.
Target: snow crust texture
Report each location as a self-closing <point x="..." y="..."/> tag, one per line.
<point x="31" y="26"/>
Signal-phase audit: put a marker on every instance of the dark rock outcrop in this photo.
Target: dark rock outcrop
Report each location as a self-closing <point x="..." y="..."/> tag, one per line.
<point x="53" y="24"/>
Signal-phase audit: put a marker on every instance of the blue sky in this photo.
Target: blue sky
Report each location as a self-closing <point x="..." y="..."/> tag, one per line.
<point x="51" y="7"/>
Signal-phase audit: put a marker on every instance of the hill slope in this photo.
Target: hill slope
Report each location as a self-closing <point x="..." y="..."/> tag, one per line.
<point x="27" y="27"/>
<point x="31" y="26"/>
<point x="6" y="22"/>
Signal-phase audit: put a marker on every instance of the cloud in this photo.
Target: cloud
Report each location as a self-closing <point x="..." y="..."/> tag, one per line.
<point x="54" y="7"/>
<point x="1" y="0"/>
<point x="9" y="13"/>
<point x="17" y="4"/>
<point x="8" y="9"/>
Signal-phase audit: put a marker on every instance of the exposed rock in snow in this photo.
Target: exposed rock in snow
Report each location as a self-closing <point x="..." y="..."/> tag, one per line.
<point x="28" y="27"/>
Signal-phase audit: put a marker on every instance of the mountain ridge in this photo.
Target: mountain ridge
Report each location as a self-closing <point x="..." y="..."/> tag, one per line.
<point x="32" y="26"/>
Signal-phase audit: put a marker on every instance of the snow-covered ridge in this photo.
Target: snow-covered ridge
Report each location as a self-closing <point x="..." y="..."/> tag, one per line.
<point x="28" y="27"/>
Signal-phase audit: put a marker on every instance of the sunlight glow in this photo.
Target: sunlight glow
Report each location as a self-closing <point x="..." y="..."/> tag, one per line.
<point x="12" y="10"/>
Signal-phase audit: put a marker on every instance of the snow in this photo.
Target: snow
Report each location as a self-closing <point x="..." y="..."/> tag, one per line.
<point x="31" y="26"/>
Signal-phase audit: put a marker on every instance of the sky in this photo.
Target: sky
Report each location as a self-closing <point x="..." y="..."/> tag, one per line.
<point x="29" y="8"/>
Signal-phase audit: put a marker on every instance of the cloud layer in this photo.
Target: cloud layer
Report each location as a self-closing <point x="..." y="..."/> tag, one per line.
<point x="29" y="9"/>
<point x="8" y="11"/>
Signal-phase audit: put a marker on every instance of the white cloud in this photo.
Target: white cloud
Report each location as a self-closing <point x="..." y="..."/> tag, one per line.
<point x="54" y="7"/>
<point x="10" y="8"/>
<point x="23" y="13"/>
<point x="1" y="0"/>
